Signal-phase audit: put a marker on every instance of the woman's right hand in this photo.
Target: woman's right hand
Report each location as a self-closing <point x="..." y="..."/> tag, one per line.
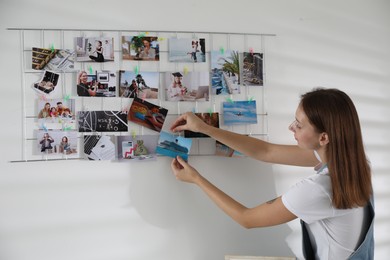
<point x="188" y="121"/>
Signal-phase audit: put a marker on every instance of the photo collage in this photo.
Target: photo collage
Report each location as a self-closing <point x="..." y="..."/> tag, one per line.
<point x="60" y="124"/>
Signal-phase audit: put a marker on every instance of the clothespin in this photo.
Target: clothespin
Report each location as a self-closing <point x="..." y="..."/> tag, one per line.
<point x="230" y="100"/>
<point x="160" y="39"/>
<point x="250" y="99"/>
<point x="185" y="70"/>
<point x="210" y="111"/>
<point x="43" y="97"/>
<point x="52" y="47"/>
<point x="136" y="70"/>
<point x="133" y="133"/>
<point x="251" y="51"/>
<point x="140" y="35"/>
<point x="67" y="97"/>
<point x="221" y="50"/>
<point x="67" y="128"/>
<point x="193" y="110"/>
<point x="44" y="127"/>
<point x="90" y="70"/>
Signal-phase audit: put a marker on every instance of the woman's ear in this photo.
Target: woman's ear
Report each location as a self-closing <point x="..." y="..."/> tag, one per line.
<point x="324" y="139"/>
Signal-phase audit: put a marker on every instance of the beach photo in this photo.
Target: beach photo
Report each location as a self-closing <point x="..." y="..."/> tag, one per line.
<point x="187" y="50"/>
<point x="252" y="74"/>
<point x="225" y="151"/>
<point x="94" y="49"/>
<point x="143" y="85"/>
<point x="145" y="48"/>
<point x="239" y="112"/>
<point x="225" y="72"/>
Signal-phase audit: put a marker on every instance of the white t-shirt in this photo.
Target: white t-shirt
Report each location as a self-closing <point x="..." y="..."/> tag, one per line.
<point x="334" y="233"/>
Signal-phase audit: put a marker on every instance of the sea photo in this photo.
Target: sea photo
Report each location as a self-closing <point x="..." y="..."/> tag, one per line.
<point x="187" y="50"/>
<point x="143" y="85"/>
<point x="173" y="145"/>
<point x="252" y="74"/>
<point x="140" y="48"/>
<point x="225" y="72"/>
<point x="239" y="112"/>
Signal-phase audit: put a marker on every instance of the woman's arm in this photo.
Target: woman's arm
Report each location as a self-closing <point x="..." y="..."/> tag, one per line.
<point x="252" y="147"/>
<point x="267" y="214"/>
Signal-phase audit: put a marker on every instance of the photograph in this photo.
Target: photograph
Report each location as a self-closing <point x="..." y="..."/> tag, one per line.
<point x="225" y="72"/>
<point x="94" y="49"/>
<point x="99" y="147"/>
<point x="173" y="145"/>
<point x="239" y="112"/>
<point x="190" y="86"/>
<point x="225" y="151"/>
<point x="56" y="114"/>
<point x="209" y="118"/>
<point x="102" y="121"/>
<point x="99" y="84"/>
<point x="48" y="83"/>
<point x="147" y="114"/>
<point x="187" y="50"/>
<point x="140" y="48"/>
<point x="143" y="85"/>
<point x="137" y="148"/>
<point x="53" y="59"/>
<point x="57" y="142"/>
<point x="252" y="73"/>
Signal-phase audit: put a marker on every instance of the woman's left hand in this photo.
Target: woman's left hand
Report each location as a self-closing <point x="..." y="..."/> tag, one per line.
<point x="183" y="171"/>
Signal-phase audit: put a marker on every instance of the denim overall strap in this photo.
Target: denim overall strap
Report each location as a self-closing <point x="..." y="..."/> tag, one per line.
<point x="308" y="251"/>
<point x="364" y="252"/>
<point x="366" y="249"/>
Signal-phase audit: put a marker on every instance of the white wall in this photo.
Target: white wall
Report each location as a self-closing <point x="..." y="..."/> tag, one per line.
<point x="106" y="210"/>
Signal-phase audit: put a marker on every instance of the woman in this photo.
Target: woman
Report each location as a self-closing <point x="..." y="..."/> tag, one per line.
<point x="45" y="112"/>
<point x="99" y="52"/>
<point x="83" y="88"/>
<point x="176" y="90"/>
<point x="147" y="52"/>
<point x="335" y="204"/>
<point x="64" y="145"/>
<point x="46" y="142"/>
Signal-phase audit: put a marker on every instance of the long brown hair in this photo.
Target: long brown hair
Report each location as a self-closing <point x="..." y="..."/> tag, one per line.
<point x="333" y="112"/>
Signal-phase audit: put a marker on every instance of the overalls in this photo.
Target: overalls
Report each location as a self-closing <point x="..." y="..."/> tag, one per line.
<point x="364" y="252"/>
